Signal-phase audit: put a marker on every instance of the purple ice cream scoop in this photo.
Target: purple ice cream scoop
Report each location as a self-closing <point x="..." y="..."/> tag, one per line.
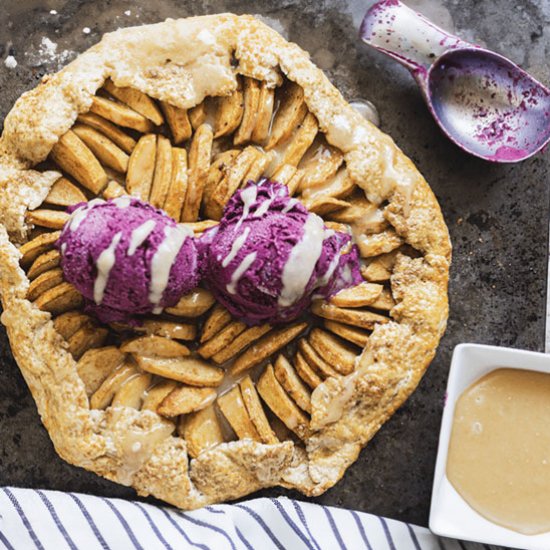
<point x="269" y="256"/>
<point x="482" y="101"/>
<point x="127" y="258"/>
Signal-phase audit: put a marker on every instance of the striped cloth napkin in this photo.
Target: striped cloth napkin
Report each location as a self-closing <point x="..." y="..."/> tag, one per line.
<point x="54" y="520"/>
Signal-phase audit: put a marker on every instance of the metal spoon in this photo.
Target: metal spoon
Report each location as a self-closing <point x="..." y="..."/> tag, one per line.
<point x="482" y="101"/>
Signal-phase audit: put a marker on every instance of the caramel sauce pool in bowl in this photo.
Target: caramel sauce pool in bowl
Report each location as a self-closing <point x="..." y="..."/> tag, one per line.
<point x="499" y="452"/>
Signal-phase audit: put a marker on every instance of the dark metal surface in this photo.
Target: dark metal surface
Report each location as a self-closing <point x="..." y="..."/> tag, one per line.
<point x="497" y="215"/>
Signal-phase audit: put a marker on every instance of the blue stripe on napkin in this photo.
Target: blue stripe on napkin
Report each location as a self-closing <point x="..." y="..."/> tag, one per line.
<point x="44" y="520"/>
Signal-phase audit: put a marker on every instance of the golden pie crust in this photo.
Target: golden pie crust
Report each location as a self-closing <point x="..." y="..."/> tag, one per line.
<point x="180" y="62"/>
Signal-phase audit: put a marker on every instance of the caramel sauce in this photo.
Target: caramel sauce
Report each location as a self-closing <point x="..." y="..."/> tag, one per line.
<point x="499" y="453"/>
<point x="137" y="446"/>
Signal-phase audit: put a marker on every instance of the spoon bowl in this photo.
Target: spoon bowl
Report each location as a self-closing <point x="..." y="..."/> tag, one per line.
<point x="483" y="102"/>
<point x="488" y="105"/>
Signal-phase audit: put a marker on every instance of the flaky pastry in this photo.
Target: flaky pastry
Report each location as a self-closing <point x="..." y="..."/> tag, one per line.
<point x="193" y="406"/>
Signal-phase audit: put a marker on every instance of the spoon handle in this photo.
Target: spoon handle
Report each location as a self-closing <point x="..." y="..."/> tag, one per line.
<point x="406" y="36"/>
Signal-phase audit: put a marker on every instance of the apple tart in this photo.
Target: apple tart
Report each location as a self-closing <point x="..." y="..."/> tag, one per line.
<point x="191" y="404"/>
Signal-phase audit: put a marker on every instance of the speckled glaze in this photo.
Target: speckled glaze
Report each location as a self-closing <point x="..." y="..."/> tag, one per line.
<point x="482" y="101"/>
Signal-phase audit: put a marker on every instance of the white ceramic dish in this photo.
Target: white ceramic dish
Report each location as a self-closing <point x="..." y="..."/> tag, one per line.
<point x="450" y="514"/>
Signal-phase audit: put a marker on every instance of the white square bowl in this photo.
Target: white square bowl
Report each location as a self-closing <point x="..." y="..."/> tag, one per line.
<point x="450" y="514"/>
